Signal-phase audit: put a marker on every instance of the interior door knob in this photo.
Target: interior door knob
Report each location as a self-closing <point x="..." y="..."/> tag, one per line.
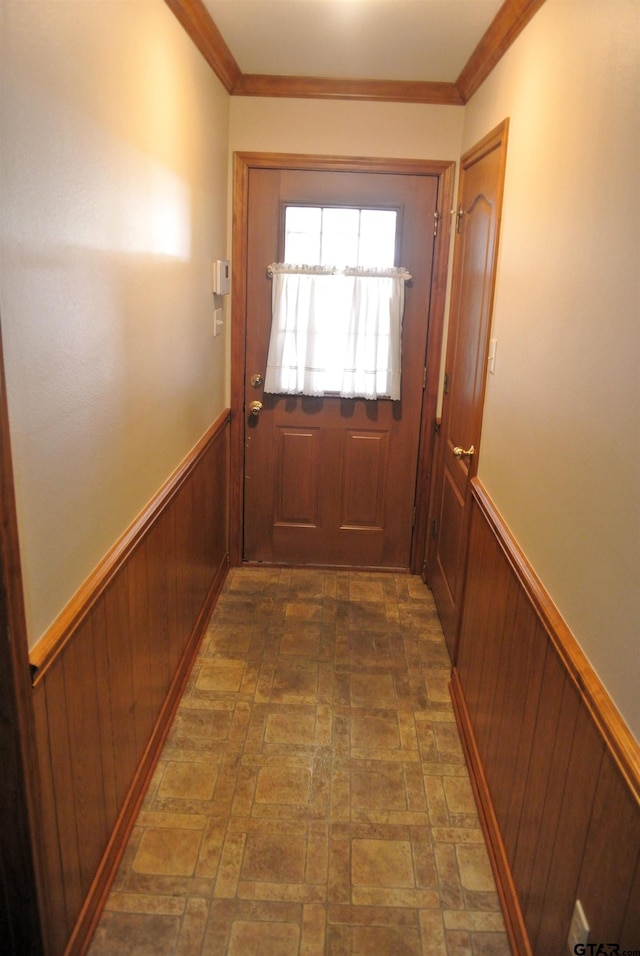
<point x="255" y="408"/>
<point x="463" y="452"/>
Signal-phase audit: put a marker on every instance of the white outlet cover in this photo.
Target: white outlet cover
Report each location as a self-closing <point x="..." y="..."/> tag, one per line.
<point x="579" y="929"/>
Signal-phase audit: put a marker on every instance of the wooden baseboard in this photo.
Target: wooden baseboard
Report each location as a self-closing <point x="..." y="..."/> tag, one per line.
<point x="509" y="902"/>
<point x="97" y="896"/>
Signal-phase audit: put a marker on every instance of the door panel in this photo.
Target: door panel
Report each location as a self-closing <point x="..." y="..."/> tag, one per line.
<point x="297" y="476"/>
<point x="479" y="208"/>
<point x="364" y="484"/>
<point x="476" y="239"/>
<point x="329" y="480"/>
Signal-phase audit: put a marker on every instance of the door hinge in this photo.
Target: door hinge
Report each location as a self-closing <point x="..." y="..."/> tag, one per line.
<point x="434" y="528"/>
<point x="446" y="383"/>
<point x="437" y="216"/>
<point x="424" y="378"/>
<point x="458" y="213"/>
<point x="436" y="427"/>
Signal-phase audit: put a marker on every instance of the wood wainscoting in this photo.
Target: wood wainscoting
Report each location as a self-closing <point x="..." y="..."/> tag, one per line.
<point x="555" y="769"/>
<point x="109" y="677"/>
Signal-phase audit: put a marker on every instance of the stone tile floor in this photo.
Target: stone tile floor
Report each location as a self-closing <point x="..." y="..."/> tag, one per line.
<point x="312" y="796"/>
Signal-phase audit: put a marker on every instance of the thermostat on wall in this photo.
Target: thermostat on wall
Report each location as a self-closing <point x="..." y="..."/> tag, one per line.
<point x="221" y="277"/>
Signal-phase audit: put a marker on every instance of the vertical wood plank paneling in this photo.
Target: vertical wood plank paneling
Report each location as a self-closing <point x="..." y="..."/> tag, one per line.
<point x="522" y="673"/>
<point x="559" y="753"/>
<point x="154" y="556"/>
<point x="105" y="717"/>
<point x="532" y="692"/>
<point x="501" y="746"/>
<point x="55" y="916"/>
<point x="562" y="817"/>
<point x="481" y="576"/>
<point x="611" y="855"/>
<point x="64" y="790"/>
<point x="630" y="932"/>
<point x="120" y="680"/>
<point x="85" y="751"/>
<point x="546" y="729"/>
<point x="213" y="499"/>
<point x="493" y="660"/>
<point x="217" y="495"/>
<point x="160" y="557"/>
<point x="199" y="554"/>
<point x="184" y="580"/>
<point x="175" y="645"/>
<point x="195" y="543"/>
<point x="141" y="652"/>
<point x="582" y="773"/>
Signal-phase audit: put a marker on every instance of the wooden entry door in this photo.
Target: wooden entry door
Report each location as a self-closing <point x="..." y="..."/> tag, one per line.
<point x="478" y="222"/>
<point x="332" y="481"/>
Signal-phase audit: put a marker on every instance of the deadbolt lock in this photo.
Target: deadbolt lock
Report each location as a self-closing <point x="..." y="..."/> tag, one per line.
<point x="256" y="381"/>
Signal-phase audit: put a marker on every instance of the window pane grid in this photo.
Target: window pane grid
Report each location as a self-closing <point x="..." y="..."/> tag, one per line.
<point x="340" y="236"/>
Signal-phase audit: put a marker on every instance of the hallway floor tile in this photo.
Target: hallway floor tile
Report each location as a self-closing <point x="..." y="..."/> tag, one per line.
<point x="312" y="797"/>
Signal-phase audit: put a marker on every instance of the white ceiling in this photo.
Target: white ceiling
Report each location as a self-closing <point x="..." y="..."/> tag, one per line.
<point x="420" y="40"/>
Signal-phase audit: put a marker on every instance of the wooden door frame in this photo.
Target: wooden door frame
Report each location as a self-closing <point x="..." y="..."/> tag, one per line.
<point x="21" y="888"/>
<point x="242" y="164"/>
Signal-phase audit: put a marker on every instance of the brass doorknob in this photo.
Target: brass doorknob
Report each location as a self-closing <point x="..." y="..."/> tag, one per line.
<point x="466" y="452"/>
<point x="255" y="408"/>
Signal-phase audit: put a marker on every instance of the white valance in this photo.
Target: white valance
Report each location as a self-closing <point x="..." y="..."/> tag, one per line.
<point x="336" y="330"/>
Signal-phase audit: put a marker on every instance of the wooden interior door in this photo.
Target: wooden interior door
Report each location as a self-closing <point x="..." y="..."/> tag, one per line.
<point x="332" y="481"/>
<point x="478" y="222"/>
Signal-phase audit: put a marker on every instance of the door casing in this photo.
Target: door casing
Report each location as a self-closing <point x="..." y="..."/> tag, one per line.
<point x="22" y="888"/>
<point x="243" y="162"/>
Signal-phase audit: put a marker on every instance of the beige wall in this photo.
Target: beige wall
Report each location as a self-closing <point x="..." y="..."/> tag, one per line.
<point x="339" y="128"/>
<point x="113" y="172"/>
<point x="561" y="438"/>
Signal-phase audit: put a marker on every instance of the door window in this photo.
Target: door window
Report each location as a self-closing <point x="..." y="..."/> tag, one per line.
<point x="339" y="236"/>
<point x="337" y="305"/>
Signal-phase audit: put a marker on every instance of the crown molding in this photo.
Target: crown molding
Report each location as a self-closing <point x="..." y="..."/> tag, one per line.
<point x="314" y="87"/>
<point x="510" y="20"/>
<point x="197" y="21"/>
<point x="508" y="23"/>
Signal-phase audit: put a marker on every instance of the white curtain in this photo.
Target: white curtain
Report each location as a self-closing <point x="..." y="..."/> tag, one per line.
<point x="336" y="331"/>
